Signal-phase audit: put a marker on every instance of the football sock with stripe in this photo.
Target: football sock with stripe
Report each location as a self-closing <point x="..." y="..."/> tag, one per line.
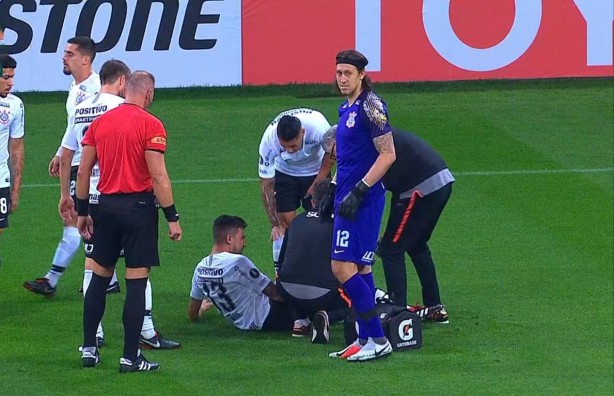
<point x="64" y="253"/>
<point x="148" y="330"/>
<point x="87" y="279"/>
<point x="276" y="250"/>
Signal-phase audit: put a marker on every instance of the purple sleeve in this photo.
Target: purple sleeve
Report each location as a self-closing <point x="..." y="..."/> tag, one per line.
<point x="375" y="115"/>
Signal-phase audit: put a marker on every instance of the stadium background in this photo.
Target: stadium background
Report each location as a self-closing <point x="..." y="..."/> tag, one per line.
<point x="259" y="42"/>
<point x="525" y="248"/>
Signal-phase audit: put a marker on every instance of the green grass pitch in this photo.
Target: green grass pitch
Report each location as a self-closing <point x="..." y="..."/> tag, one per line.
<point x="524" y="250"/>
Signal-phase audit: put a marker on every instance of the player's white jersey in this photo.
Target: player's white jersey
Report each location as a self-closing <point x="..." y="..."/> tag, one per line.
<point x="306" y="161"/>
<point x="77" y="93"/>
<point x="234" y="285"/>
<point x="84" y="114"/>
<point x="11" y="126"/>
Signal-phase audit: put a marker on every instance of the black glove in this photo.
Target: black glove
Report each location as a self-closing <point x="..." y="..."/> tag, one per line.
<point x="326" y="206"/>
<point x="351" y="202"/>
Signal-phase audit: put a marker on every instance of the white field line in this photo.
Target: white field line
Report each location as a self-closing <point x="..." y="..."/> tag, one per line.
<point x="518" y="172"/>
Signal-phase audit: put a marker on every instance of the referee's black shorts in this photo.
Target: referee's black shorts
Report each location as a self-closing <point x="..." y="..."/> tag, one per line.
<point x="290" y="192"/>
<point x="128" y="221"/>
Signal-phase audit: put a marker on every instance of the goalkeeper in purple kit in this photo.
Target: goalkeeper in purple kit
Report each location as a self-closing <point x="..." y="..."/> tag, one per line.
<point x="365" y="151"/>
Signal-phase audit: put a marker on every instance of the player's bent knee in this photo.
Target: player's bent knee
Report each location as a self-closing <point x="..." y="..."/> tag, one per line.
<point x="99" y="270"/>
<point x="89" y="264"/>
<point x="364" y="269"/>
<point x="285" y="218"/>
<point x="343" y="270"/>
<point x="137" y="273"/>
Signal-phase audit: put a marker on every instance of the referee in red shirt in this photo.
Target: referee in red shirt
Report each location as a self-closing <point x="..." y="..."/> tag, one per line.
<point x="129" y="144"/>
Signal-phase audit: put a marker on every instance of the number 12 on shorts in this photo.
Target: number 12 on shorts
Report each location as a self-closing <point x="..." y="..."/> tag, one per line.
<point x="343" y="238"/>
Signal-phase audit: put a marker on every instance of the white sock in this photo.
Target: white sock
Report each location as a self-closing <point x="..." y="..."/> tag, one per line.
<point x="114" y="278"/>
<point x="87" y="278"/>
<point x="276" y="250"/>
<point x="148" y="330"/>
<point x="64" y="253"/>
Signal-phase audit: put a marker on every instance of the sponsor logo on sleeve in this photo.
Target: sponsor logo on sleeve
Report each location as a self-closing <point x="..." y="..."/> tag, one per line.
<point x="158" y="140"/>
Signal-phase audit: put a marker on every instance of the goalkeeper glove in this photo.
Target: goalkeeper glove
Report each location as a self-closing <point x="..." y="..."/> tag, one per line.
<point x="351" y="202"/>
<point x="326" y="206"/>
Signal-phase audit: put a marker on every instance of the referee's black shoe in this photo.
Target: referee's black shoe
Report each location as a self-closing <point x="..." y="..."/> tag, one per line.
<point x="90" y="359"/>
<point x="141" y="364"/>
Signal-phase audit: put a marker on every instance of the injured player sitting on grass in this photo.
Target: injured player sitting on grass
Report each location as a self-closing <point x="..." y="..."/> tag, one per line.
<point x="233" y="284"/>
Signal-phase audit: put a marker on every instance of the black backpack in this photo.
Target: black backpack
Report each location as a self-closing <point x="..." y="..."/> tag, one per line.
<point x="402" y="328"/>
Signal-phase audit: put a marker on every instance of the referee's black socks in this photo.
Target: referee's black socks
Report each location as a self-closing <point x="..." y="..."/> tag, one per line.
<point x="134" y="310"/>
<point x="94" y="303"/>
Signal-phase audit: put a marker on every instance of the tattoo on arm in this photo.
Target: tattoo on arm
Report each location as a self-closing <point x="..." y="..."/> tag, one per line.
<point x="268" y="200"/>
<point x="384" y="143"/>
<point x="385" y="146"/>
<point x="17" y="159"/>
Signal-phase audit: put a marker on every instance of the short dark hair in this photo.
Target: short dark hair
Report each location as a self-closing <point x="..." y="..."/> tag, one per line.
<point x="1" y="27"/>
<point x="288" y="128"/>
<point x="226" y="224"/>
<point x="7" y="62"/>
<point x="113" y="69"/>
<point x="85" y="45"/>
<point x="358" y="60"/>
<point x="320" y="189"/>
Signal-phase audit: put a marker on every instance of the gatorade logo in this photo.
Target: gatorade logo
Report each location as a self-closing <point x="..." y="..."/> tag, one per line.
<point x="406" y="330"/>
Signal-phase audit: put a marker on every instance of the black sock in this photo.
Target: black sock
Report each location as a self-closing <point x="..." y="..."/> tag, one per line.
<point x="134" y="311"/>
<point x="94" y="304"/>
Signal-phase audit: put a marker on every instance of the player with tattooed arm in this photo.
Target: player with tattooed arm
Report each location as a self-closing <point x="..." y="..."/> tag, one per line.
<point x="291" y="161"/>
<point x="365" y="151"/>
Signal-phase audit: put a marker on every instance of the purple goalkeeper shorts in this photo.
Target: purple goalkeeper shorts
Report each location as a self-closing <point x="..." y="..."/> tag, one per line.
<point x="356" y="240"/>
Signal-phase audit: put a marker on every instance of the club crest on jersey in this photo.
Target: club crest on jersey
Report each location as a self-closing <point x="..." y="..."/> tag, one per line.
<point x="5" y="117"/>
<point x="351" y="120"/>
<point x="80" y="97"/>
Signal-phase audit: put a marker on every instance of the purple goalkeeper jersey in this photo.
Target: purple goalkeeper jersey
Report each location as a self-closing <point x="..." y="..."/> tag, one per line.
<point x="359" y="123"/>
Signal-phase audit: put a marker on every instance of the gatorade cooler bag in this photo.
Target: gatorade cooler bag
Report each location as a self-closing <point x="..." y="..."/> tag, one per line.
<point x="402" y="328"/>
